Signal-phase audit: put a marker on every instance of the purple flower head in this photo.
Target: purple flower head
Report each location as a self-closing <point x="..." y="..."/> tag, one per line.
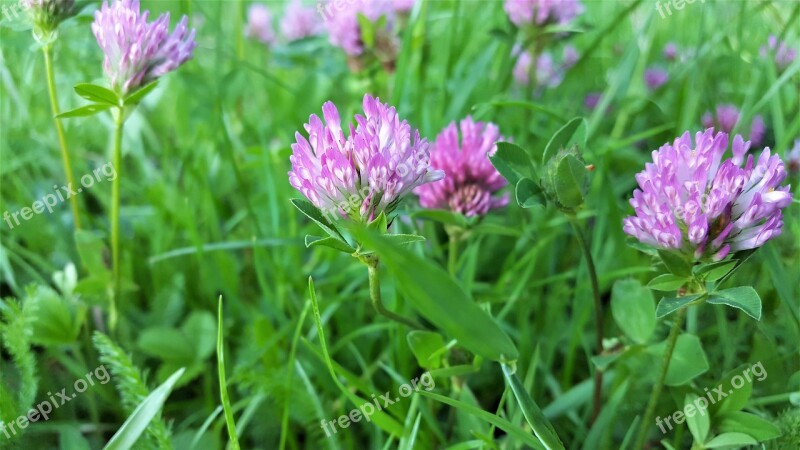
<point x="46" y="15"/>
<point x="692" y="201"/>
<point x="571" y="57"/>
<point x="725" y="119"/>
<point x="654" y="78"/>
<point x="757" y="130"/>
<point x="471" y="180"/>
<point x="670" y="51"/>
<point x="341" y="21"/>
<point x="782" y="53"/>
<point x="138" y="52"/>
<point x="541" y="12"/>
<point x="259" y="24"/>
<point x="591" y="100"/>
<point x="300" y="22"/>
<point x="364" y="173"/>
<point x="548" y="73"/>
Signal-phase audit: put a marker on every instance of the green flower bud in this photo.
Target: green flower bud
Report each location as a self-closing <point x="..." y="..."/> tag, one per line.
<point x="565" y="180"/>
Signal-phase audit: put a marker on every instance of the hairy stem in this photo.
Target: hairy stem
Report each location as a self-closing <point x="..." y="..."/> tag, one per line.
<point x="598" y="313"/>
<point x="119" y="118"/>
<point x="62" y="140"/>
<point x="674" y="332"/>
<point x="377" y="303"/>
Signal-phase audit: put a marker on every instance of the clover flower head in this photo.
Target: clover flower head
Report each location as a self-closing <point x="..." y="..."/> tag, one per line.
<point x="259" y="24"/>
<point x="137" y="52"/>
<point x="542" y="12"/>
<point x="757" y="130"/>
<point x="366" y="172"/>
<point x="670" y="51"/>
<point x="782" y="54"/>
<point x="403" y="5"/>
<point x="724" y="120"/>
<point x="793" y="158"/>
<point x="547" y="74"/>
<point x="655" y="77"/>
<point x="690" y="200"/>
<point x="300" y="21"/>
<point x="341" y="21"/>
<point x="471" y="182"/>
<point x="46" y="15"/>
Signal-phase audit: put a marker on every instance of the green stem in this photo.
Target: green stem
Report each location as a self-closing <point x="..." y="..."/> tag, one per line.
<point x="119" y="118"/>
<point x="62" y="140"/>
<point x="452" y="254"/>
<point x="598" y="313"/>
<point x="375" y="296"/>
<point x="674" y="332"/>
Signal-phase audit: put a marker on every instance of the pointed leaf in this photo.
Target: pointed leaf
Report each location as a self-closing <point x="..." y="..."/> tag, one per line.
<point x="736" y="440"/>
<point x="97" y="94"/>
<point x="688" y="361"/>
<point x="744" y="297"/>
<point x="533" y="414"/>
<point x="425" y="345"/>
<point x="675" y="263"/>
<point x="334" y="243"/>
<point x="84" y="111"/>
<point x="313" y="213"/>
<point x="698" y="421"/>
<point x="670" y="305"/>
<point x="137" y="422"/>
<point x="667" y="282"/>
<point x="135" y="97"/>
<point x="512" y="162"/>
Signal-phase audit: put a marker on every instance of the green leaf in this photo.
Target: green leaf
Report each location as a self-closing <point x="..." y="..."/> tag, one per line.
<point x="668" y="305"/>
<point x="334" y="243"/>
<point x="528" y="193"/>
<point x="379" y="224"/>
<point x="750" y="424"/>
<point x="223" y="384"/>
<point x="84" y="111"/>
<point x="97" y="94"/>
<point x="512" y="162"/>
<point x="137" y="422"/>
<point x="499" y="422"/>
<point x="675" y="263"/>
<point x="367" y="29"/>
<point x="744" y="297"/>
<point x="166" y="343"/>
<point x="714" y="271"/>
<point x="735" y="398"/>
<point x="634" y="309"/>
<point x="313" y="213"/>
<point x="698" y="422"/>
<point x="667" y="282"/>
<point x="563" y="136"/>
<point x="688" y="361"/>
<point x="425" y="345"/>
<point x="135" y="97"/>
<point x="441" y="300"/>
<point x="570" y="181"/>
<point x="533" y="414"/>
<point x="730" y="440"/>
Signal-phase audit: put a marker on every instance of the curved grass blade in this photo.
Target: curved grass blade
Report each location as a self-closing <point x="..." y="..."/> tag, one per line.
<point x="533" y="414"/>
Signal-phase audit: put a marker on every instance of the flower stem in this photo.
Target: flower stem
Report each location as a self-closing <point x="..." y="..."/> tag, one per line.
<point x="375" y="296"/>
<point x="674" y="332"/>
<point x="597" y="396"/>
<point x="119" y="118"/>
<point x="62" y="141"/>
<point x="452" y="253"/>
